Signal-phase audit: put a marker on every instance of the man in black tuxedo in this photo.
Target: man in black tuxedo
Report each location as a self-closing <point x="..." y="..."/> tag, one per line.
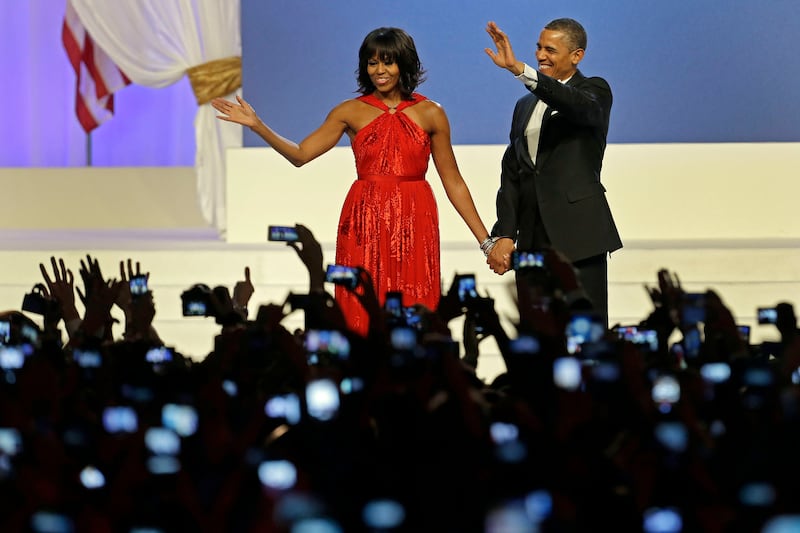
<point x="550" y="192"/>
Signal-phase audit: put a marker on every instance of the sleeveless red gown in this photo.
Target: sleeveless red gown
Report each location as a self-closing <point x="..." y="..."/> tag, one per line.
<point x="389" y="222"/>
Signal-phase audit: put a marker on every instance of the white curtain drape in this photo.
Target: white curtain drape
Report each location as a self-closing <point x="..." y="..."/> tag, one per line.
<point x="154" y="42"/>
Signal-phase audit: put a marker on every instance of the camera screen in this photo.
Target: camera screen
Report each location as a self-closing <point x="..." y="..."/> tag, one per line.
<point x="666" y="389"/>
<point x="161" y="354"/>
<point x="120" y="419"/>
<point x="413" y="317"/>
<point x="342" y="275"/>
<point x="583" y="328"/>
<point x="646" y="338"/>
<point x="672" y="435"/>
<point x="659" y="519"/>
<point x="327" y="341"/>
<point x="87" y="358"/>
<point x="322" y="399"/>
<point x="162" y="441"/>
<point x="694" y="309"/>
<point x="182" y="419"/>
<point x="394" y="304"/>
<point x="525" y="344"/>
<point x="282" y="233"/>
<point x="692" y="342"/>
<point x="10" y="441"/>
<point x="403" y="339"/>
<point x="567" y="373"/>
<point x="286" y="407"/>
<point x="717" y="372"/>
<point x="5" y="331"/>
<point x="767" y="315"/>
<point x="194" y="308"/>
<point x="522" y="260"/>
<point x="138" y="285"/>
<point x="351" y="385"/>
<point x="11" y="357"/>
<point x="384" y="515"/>
<point x="278" y="474"/>
<point x="744" y="332"/>
<point x="466" y="288"/>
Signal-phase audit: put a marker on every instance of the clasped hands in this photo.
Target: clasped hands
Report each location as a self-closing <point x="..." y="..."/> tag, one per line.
<point x="499" y="259"/>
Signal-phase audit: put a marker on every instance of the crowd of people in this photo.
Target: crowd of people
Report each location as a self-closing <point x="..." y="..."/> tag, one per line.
<point x="673" y="424"/>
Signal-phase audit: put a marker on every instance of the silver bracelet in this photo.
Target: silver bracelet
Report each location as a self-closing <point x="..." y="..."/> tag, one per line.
<point x="487" y="245"/>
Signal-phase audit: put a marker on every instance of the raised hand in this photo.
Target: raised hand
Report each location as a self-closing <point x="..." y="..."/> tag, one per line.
<point x="241" y="113"/>
<point x="310" y="252"/>
<point x="242" y="292"/>
<point x="124" y="298"/>
<point x="91" y="275"/>
<point x="504" y="56"/>
<point x="140" y="311"/>
<point x="61" y="288"/>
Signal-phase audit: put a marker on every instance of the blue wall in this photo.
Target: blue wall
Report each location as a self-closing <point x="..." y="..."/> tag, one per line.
<point x="681" y="71"/>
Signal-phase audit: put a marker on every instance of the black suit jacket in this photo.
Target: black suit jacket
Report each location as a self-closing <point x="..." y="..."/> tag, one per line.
<point x="562" y="190"/>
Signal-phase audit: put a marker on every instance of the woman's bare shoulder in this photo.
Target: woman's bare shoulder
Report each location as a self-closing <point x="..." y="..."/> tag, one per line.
<point x="348" y="107"/>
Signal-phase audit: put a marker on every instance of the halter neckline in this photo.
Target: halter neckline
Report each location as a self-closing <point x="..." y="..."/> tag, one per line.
<point x="402" y="104"/>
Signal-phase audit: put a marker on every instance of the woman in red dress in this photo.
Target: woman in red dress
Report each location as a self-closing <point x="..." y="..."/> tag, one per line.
<point x="389" y="223"/>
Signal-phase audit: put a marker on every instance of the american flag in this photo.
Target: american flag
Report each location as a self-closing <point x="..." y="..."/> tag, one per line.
<point x="97" y="77"/>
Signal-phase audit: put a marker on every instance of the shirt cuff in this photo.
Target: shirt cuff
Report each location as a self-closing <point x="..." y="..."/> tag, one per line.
<point x="529" y="76"/>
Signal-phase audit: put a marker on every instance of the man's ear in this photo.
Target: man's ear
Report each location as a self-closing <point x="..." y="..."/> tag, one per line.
<point x="577" y="56"/>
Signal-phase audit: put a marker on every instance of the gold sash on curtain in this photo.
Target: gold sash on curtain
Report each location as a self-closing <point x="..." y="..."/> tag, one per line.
<point x="215" y="78"/>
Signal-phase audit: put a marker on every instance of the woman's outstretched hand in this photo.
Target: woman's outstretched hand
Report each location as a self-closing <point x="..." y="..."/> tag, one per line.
<point x="241" y="113"/>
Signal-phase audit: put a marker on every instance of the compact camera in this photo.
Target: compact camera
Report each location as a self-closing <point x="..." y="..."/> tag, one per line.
<point x="36" y="302"/>
<point x="297" y="301"/>
<point x="196" y="301"/>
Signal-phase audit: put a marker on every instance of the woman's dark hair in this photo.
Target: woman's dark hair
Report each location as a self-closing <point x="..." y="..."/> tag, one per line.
<point x="390" y="45"/>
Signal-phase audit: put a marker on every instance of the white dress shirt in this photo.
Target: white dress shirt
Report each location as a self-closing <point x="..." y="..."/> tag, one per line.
<point x="530" y="77"/>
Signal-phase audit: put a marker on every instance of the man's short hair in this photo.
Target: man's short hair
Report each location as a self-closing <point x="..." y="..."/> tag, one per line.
<point x="573" y="32"/>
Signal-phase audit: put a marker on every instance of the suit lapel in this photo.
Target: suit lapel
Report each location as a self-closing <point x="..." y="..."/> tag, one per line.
<point x="552" y="114"/>
<point x="521" y="123"/>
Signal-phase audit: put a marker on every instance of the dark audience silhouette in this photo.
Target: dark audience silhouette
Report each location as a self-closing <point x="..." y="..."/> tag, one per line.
<point x="674" y="424"/>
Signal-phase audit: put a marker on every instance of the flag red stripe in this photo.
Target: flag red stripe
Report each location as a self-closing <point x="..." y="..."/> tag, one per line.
<point x="94" y="100"/>
<point x="88" y="59"/>
<point x="85" y="116"/>
<point x="71" y="45"/>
